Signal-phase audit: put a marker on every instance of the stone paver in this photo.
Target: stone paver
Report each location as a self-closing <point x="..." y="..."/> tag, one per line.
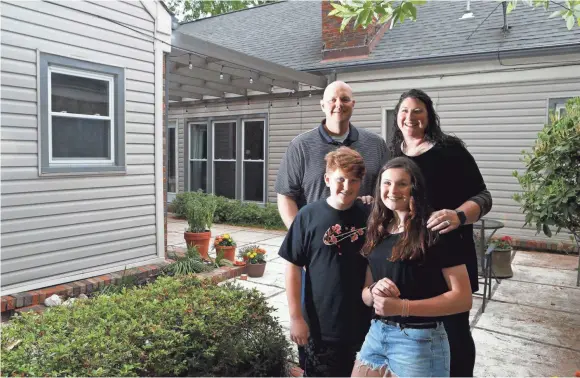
<point x="532" y="323"/>
<point x="501" y="355"/>
<point x="268" y="291"/>
<point x="242" y="236"/>
<point x="538" y="295"/>
<point x="548" y="276"/>
<point x="546" y="260"/>
<point x="275" y="241"/>
<point x="530" y="327"/>
<point x="273" y="276"/>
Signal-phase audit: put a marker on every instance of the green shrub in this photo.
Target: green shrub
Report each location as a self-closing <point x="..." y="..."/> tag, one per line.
<point x="235" y="212"/>
<point x="551" y="181"/>
<point x="177" y="326"/>
<point x="199" y="212"/>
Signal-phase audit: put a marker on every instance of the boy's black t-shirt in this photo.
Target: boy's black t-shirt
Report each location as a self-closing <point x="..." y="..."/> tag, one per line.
<point x="327" y="242"/>
<point x="417" y="279"/>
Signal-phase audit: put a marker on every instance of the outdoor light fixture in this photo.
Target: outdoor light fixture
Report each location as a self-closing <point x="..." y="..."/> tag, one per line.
<point x="221" y="73"/>
<point x="190" y="64"/>
<point x="251" y="81"/>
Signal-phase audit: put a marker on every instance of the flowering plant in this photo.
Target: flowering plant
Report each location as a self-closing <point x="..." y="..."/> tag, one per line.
<point x="505" y="242"/>
<point x="253" y="254"/>
<point x="224" y="240"/>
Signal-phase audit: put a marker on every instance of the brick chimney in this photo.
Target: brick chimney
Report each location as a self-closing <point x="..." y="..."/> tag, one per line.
<point x="350" y="43"/>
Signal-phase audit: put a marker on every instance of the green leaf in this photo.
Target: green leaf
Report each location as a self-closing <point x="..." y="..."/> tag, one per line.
<point x="344" y="23"/>
<point x="364" y="18"/>
<point x="555" y="14"/>
<point x="413" y="11"/>
<point x="547" y="231"/>
<point x="570" y="22"/>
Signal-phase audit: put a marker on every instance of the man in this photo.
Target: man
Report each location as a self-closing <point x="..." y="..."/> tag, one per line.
<point x="300" y="177"/>
<point x="326" y="238"/>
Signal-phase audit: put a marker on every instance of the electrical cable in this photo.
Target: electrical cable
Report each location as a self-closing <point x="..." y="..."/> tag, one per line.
<point x="155" y="38"/>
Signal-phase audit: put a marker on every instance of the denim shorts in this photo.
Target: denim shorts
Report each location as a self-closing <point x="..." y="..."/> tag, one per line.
<point x="407" y="352"/>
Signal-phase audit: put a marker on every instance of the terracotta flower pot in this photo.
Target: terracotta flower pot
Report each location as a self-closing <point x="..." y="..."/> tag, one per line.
<point x="255" y="270"/>
<point x="229" y="252"/>
<point x="201" y="240"/>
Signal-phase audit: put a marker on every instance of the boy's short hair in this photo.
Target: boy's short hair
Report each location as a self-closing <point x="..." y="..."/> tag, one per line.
<point x="346" y="159"/>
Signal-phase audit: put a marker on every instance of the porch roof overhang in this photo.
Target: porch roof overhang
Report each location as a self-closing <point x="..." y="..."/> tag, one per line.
<point x="200" y="71"/>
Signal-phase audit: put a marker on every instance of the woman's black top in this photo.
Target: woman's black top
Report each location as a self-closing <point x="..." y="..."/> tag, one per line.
<point x="452" y="177"/>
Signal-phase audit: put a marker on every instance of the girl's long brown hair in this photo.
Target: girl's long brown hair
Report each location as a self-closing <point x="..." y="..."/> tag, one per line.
<point x="416" y="238"/>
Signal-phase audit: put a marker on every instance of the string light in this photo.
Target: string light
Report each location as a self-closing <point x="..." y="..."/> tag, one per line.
<point x="190" y="64"/>
<point x="310" y="92"/>
<point x="251" y="81"/>
<point x="221" y="72"/>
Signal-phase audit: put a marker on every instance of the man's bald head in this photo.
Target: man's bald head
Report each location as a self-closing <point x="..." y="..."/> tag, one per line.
<point x="337" y="105"/>
<point x="334" y="87"/>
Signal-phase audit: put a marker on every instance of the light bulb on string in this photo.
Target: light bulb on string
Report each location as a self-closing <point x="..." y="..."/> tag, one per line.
<point x="190" y="64"/>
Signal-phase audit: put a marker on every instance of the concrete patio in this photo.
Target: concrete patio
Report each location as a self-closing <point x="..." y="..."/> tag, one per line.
<point x="531" y="326"/>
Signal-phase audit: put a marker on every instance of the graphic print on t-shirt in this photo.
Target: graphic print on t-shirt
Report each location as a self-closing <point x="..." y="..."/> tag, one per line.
<point x="335" y="235"/>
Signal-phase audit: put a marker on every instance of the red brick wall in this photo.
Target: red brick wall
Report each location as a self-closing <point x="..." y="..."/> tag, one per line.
<point x="334" y="39"/>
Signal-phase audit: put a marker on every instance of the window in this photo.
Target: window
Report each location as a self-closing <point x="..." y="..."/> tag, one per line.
<point x="227" y="157"/>
<point x="253" y="161"/>
<point x="82" y="115"/>
<point x="198" y="157"/>
<point x="557" y="106"/>
<point x="224" y="159"/>
<point x="389" y="118"/>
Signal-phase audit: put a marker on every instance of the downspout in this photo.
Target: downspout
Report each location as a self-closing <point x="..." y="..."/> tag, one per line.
<point x="159" y="201"/>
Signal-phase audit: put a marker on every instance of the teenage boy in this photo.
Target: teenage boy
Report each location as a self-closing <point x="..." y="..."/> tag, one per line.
<point x="326" y="237"/>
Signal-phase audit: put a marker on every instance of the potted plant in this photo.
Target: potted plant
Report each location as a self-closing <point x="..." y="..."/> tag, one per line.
<point x="226" y="245"/>
<point x="551" y="181"/>
<point x="199" y="210"/>
<point x="255" y="259"/>
<point x="501" y="258"/>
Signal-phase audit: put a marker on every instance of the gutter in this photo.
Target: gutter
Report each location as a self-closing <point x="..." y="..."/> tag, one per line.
<point x="526" y="53"/>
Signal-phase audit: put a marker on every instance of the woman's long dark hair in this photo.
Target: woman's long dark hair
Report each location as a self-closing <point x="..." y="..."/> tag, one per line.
<point x="433" y="133"/>
<point x="416" y="238"/>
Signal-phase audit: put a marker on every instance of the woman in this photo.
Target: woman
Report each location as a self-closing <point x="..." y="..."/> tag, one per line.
<point x="418" y="277"/>
<point x="455" y="188"/>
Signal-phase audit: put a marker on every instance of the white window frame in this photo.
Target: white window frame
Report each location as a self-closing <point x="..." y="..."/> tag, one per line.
<point x="89" y="75"/>
<point x="263" y="161"/>
<point x="190" y="159"/>
<point x="556" y="104"/>
<point x="214" y="160"/>
<point x="173" y="124"/>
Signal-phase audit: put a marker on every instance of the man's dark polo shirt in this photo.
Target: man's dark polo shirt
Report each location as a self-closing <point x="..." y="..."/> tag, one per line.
<point x="301" y="173"/>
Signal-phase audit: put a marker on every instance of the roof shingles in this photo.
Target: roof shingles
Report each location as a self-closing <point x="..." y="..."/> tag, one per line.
<point x="289" y="33"/>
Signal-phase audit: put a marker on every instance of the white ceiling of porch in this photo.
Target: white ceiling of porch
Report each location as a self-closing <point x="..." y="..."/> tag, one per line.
<point x="200" y="70"/>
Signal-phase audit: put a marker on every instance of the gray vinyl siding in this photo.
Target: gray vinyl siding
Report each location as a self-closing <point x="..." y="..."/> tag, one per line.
<point x="286" y="120"/>
<point x="55" y="226"/>
<point x="496" y="122"/>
